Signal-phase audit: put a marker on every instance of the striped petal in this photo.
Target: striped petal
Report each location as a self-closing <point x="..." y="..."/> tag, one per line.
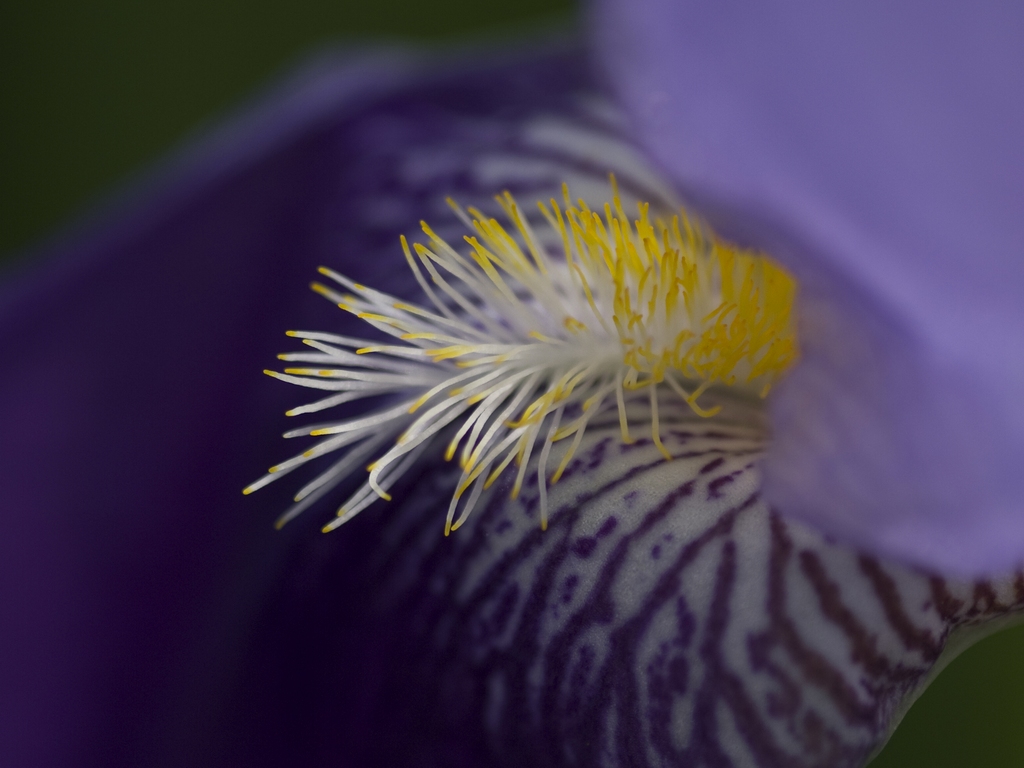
<point x="667" y="617"/>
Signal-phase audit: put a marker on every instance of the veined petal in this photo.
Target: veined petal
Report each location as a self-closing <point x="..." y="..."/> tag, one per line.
<point x="666" y="617"/>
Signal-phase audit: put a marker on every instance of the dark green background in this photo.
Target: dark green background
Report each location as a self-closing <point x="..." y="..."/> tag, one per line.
<point x="91" y="92"/>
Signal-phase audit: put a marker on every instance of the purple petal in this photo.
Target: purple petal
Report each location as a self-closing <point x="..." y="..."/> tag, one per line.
<point x="133" y="411"/>
<point x="875" y="149"/>
<point x="153" y="617"/>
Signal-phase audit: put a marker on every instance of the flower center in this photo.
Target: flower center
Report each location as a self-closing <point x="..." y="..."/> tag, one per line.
<point x="523" y="348"/>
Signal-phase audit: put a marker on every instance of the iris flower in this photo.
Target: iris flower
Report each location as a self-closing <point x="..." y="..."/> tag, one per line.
<point x="776" y="593"/>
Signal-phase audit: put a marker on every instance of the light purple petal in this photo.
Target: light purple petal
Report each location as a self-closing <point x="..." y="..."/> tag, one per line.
<point x="876" y="149"/>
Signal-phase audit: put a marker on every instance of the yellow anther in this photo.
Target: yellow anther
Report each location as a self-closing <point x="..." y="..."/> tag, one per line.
<point x="574" y="325"/>
<point x="419" y="402"/>
<point x="641" y="302"/>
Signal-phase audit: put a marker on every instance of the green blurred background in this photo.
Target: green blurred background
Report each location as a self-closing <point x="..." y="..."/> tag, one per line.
<point x="93" y="92"/>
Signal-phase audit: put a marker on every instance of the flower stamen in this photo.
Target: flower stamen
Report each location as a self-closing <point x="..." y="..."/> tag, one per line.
<point x="518" y="339"/>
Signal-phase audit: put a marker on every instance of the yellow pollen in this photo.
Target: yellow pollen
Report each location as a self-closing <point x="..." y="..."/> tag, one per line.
<point x="633" y="308"/>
